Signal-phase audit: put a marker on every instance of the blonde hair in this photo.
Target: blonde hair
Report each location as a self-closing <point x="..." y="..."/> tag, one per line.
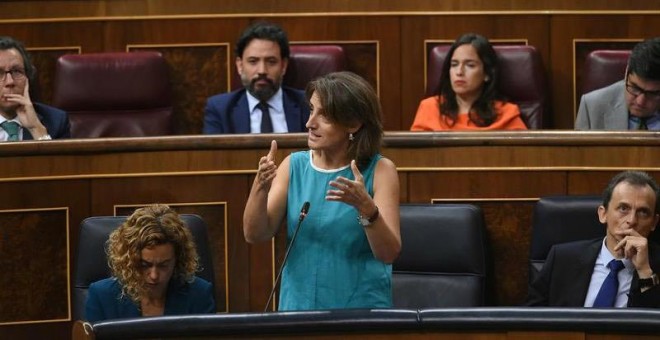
<point x="146" y="227"/>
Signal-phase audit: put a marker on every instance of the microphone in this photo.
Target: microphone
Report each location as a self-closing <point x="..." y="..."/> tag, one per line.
<point x="303" y="214"/>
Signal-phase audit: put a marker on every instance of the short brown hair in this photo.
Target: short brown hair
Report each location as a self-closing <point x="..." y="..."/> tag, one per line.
<point x="347" y="99"/>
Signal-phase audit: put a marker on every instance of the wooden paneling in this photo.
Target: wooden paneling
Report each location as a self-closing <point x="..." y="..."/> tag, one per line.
<point x="581" y="48"/>
<point x="89" y="34"/>
<point x="417" y="30"/>
<point x="380" y="69"/>
<point x="214" y="214"/>
<point x="385" y="47"/>
<point x="45" y="59"/>
<point x="593" y="183"/>
<point x="564" y="29"/>
<point x="195" y="71"/>
<point x="201" y="195"/>
<point x="503" y="172"/>
<point x="507" y="199"/>
<point x="91" y="8"/>
<point x="505" y="184"/>
<point x="34" y="265"/>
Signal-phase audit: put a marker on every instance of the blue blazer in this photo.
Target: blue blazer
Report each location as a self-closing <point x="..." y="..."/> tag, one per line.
<point x="104" y="300"/>
<point x="229" y="112"/>
<point x="54" y="120"/>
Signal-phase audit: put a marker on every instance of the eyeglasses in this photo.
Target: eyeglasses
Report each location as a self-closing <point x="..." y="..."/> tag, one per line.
<point x="637" y="91"/>
<point x="16" y="74"/>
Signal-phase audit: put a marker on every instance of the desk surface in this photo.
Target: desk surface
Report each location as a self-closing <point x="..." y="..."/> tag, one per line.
<point x="57" y="184"/>
<point x="486" y="323"/>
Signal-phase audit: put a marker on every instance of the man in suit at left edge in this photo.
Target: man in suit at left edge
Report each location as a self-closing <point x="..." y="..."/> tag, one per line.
<point x="20" y="118"/>
<point x="262" y="57"/>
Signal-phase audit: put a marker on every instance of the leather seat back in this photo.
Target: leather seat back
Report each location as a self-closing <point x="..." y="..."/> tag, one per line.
<point x="522" y="79"/>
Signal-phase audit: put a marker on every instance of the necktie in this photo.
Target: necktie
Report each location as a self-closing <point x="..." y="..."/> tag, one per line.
<point x="642" y="123"/>
<point x="12" y="130"/>
<point x="266" y="124"/>
<point x="607" y="293"/>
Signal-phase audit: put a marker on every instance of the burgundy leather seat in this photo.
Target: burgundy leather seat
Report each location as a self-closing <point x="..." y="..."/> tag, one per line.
<point x="603" y="68"/>
<point x="522" y="79"/>
<point x="307" y="62"/>
<point x="125" y="94"/>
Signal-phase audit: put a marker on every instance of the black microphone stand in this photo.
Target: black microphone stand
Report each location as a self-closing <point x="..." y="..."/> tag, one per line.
<point x="303" y="214"/>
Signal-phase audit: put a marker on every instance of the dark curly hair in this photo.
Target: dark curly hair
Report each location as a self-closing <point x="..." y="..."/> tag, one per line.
<point x="146" y="227"/>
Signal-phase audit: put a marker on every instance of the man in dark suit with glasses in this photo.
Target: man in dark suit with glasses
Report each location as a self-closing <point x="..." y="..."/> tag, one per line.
<point x="20" y="118"/>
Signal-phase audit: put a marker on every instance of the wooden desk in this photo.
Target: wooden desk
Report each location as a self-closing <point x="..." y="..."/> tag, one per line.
<point x="463" y="323"/>
<point x="49" y="187"/>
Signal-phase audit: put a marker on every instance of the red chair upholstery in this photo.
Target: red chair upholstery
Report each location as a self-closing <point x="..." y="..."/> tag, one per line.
<point x="114" y="94"/>
<point x="522" y="79"/>
<point x="603" y="68"/>
<point x="307" y="62"/>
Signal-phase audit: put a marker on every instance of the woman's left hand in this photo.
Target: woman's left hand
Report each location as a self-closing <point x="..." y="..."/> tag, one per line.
<point x="352" y="192"/>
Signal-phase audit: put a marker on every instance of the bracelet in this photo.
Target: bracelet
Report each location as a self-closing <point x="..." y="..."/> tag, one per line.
<point x="45" y="137"/>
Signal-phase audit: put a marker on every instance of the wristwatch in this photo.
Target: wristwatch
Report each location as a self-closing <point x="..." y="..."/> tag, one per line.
<point x="650" y="282"/>
<point x="366" y="221"/>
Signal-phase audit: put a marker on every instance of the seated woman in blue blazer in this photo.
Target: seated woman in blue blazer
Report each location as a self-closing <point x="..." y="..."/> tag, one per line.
<point x="153" y="261"/>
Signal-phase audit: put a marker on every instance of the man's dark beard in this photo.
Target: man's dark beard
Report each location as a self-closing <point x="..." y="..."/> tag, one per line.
<point x="263" y="93"/>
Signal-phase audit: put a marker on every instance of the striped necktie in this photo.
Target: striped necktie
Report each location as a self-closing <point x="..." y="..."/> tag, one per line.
<point x="12" y="129"/>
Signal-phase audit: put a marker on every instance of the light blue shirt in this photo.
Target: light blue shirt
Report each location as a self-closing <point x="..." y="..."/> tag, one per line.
<point x="600" y="273"/>
<point x="653" y="123"/>
<point x="276" y="109"/>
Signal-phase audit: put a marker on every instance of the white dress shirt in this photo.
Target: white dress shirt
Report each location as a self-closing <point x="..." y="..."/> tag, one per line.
<point x="276" y="109"/>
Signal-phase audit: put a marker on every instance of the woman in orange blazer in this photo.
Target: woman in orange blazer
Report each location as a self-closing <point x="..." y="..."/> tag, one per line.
<point x="468" y="98"/>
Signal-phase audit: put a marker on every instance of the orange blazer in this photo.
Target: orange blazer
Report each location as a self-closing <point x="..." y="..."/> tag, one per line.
<point x="428" y="118"/>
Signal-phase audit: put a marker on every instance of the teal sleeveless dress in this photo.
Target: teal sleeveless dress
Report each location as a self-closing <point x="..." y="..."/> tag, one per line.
<point x="331" y="265"/>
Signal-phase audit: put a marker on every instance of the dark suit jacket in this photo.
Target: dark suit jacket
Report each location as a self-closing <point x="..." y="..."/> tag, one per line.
<point x="564" y="279"/>
<point x="104" y="300"/>
<point x="54" y="120"/>
<point x="229" y="112"/>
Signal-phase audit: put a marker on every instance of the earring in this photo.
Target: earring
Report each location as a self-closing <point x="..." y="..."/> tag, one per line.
<point x="350" y="137"/>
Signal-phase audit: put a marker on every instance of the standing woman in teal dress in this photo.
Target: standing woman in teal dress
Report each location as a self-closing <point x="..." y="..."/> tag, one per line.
<point x="345" y="246"/>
